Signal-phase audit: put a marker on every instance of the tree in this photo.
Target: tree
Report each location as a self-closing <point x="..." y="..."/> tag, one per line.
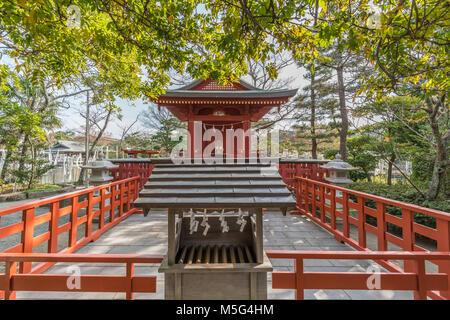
<point x="100" y="116"/>
<point x="26" y="112"/>
<point x="260" y="75"/>
<point x="316" y="108"/>
<point x="163" y="124"/>
<point x="361" y="155"/>
<point x="402" y="127"/>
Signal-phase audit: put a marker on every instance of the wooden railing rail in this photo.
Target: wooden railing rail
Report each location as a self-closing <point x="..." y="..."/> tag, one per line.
<point x="11" y="281"/>
<point x="325" y="204"/>
<point x="417" y="279"/>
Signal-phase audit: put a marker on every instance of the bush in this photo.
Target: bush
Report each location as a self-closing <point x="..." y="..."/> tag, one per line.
<point x="405" y="193"/>
<point x="43" y="187"/>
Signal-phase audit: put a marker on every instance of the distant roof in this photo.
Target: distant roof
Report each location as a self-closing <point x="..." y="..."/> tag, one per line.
<point x="68" y="146"/>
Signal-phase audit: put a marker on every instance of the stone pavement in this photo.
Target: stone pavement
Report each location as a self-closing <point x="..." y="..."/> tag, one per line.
<point x="148" y="235"/>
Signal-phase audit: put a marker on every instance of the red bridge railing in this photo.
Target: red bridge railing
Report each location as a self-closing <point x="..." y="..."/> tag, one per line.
<point x="417" y="280"/>
<point x="10" y="282"/>
<point x="325" y="204"/>
<point x="113" y="201"/>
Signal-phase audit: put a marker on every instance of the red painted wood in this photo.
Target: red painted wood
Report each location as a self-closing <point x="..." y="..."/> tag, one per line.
<point x="441" y="233"/>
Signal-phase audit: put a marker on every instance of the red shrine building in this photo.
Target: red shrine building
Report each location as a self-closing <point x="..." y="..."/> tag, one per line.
<point x="204" y="104"/>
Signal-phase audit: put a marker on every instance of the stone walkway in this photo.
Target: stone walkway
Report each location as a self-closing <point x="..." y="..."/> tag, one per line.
<point x="148" y="235"/>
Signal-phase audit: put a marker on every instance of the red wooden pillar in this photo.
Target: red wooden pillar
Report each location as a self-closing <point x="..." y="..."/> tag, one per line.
<point x="191" y="138"/>
<point x="27" y="237"/>
<point x="247" y="133"/>
<point x="443" y="245"/>
<point x="53" y="228"/>
<point x="10" y="270"/>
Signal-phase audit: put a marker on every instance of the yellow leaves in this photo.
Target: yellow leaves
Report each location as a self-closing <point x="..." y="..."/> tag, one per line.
<point x="170" y="19"/>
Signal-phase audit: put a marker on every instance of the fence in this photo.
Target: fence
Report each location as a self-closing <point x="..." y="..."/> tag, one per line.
<point x="289" y="170"/>
<point x="10" y="282"/>
<point x="113" y="200"/>
<point x="325" y="203"/>
<point x="132" y="169"/>
<point x="417" y="279"/>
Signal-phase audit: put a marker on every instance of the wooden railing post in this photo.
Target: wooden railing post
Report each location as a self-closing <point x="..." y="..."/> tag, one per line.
<point x="322" y="204"/>
<point x="381" y="226"/>
<point x="443" y="245"/>
<point x="101" y="220"/>
<point x="333" y="208"/>
<point x="299" y="279"/>
<point x="73" y="222"/>
<point x="111" y="212"/>
<point x="89" y="213"/>
<point x="121" y="192"/>
<point x="10" y="270"/>
<point x="421" y="293"/>
<point x="113" y="199"/>
<point x="27" y="237"/>
<point x="53" y="228"/>
<point x="129" y="197"/>
<point x="361" y="223"/>
<point x="313" y="204"/>
<point x="130" y="275"/>
<point x="345" y="214"/>
<point x="407" y="230"/>
<point x="299" y="194"/>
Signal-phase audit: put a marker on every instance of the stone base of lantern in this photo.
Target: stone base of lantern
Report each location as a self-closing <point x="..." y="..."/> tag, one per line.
<point x="217" y="281"/>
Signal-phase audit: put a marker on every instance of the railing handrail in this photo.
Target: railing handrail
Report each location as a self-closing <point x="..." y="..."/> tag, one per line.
<point x="41" y="202"/>
<point x="358" y="255"/>
<point x="428" y="211"/>
<point x="78" y="257"/>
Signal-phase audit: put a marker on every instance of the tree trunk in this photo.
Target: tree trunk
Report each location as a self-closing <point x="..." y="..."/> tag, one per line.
<point x="441" y="161"/>
<point x="342" y="108"/>
<point x="389" y="172"/>
<point x="23" y="153"/>
<point x="313" y="119"/>
<point x="33" y="156"/>
<point x="6" y="164"/>
<point x="94" y="144"/>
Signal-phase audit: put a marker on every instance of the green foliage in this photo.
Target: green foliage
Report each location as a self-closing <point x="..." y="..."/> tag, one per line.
<point x="359" y="155"/>
<point x="316" y="110"/>
<point x="405" y="193"/>
<point x="44" y="187"/>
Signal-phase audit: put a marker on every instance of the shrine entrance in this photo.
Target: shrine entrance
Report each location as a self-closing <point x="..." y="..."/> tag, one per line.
<point x="227" y="110"/>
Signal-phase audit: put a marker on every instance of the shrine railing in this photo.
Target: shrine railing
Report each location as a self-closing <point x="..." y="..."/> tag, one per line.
<point x="310" y="169"/>
<point x="128" y="169"/>
<point x="69" y="215"/>
<point x="417" y="279"/>
<point x="337" y="209"/>
<point x="11" y="281"/>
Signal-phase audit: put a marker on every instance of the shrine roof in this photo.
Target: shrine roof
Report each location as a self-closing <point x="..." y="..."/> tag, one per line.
<point x="239" y="89"/>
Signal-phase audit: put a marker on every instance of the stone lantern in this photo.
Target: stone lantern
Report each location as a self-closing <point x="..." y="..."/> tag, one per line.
<point x="339" y="172"/>
<point x="100" y="171"/>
